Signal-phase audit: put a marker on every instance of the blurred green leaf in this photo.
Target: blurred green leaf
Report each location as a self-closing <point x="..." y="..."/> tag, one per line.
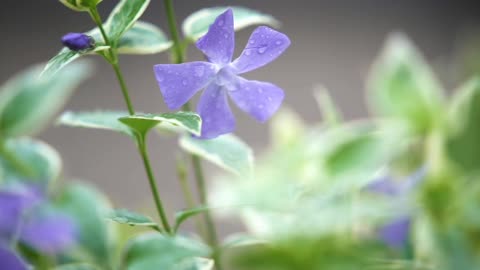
<point x="98" y="120"/>
<point x="77" y="266"/>
<point x="196" y="25"/>
<point x="187" y="121"/>
<point x="156" y="251"/>
<point x="88" y="207"/>
<point x="143" y="38"/>
<point x="27" y="102"/>
<point x="123" y="16"/>
<point x="463" y="142"/>
<point x="331" y="115"/>
<point x="29" y="160"/>
<point x="183" y="215"/>
<point x="402" y="86"/>
<point x="195" y="264"/>
<point x="124" y="216"/>
<point x="80" y="5"/>
<point x="226" y="151"/>
<point x="286" y="128"/>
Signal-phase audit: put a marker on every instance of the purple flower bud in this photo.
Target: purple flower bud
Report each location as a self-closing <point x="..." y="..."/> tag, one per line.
<point x="78" y="41"/>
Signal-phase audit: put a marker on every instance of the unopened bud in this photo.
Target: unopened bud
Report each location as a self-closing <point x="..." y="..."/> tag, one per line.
<point x="78" y="41"/>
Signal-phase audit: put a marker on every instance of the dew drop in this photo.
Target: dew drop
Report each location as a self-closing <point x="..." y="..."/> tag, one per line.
<point x="160" y="78"/>
<point x="262" y="49"/>
<point x="199" y="71"/>
<point x="220" y="22"/>
<point x="278" y="42"/>
<point x="248" y="52"/>
<point x="252" y="41"/>
<point x="260" y="106"/>
<point x="184" y="82"/>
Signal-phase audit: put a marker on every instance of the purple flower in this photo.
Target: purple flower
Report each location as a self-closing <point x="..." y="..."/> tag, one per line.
<point x="220" y="77"/>
<point x="9" y="260"/>
<point x="396" y="233"/>
<point x="78" y="41"/>
<point x="25" y="217"/>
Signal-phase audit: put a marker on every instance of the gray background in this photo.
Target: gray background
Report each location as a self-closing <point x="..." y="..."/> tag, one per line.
<point x="334" y="43"/>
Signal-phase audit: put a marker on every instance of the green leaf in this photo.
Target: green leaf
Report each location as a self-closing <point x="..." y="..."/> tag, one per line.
<point x="123" y="16"/>
<point x="156" y="251"/>
<point x="77" y="266"/>
<point x="28" y="159"/>
<point x="196" y="25"/>
<point x="27" y="102"/>
<point x="195" y="264"/>
<point x="402" y="86"/>
<point x="143" y="38"/>
<point x="65" y="57"/>
<point x="226" y="151"/>
<point x="187" y="121"/>
<point x="98" y="120"/>
<point x="88" y="207"/>
<point x="464" y="129"/>
<point x="331" y="115"/>
<point x="124" y="216"/>
<point x="183" y="215"/>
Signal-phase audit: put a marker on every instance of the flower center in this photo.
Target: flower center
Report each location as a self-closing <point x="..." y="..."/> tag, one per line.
<point x="226" y="78"/>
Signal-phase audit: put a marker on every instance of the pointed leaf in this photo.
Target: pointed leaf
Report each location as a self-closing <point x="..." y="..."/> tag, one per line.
<point x="464" y="132"/>
<point x="31" y="160"/>
<point x="156" y="251"/>
<point x="143" y="38"/>
<point x="98" y="120"/>
<point x="182" y="216"/>
<point x="124" y="216"/>
<point x="404" y="87"/>
<point x="65" y="57"/>
<point x="123" y="16"/>
<point x="187" y="121"/>
<point x="226" y="151"/>
<point x="27" y="102"/>
<point x="196" y="25"/>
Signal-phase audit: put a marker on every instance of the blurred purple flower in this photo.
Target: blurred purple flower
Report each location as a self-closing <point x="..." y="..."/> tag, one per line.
<point x="220" y="76"/>
<point x="396" y="233"/>
<point x="78" y="41"/>
<point x="25" y="217"/>
<point x="9" y="260"/>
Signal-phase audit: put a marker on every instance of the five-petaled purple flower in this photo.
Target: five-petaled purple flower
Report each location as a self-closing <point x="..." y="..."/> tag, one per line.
<point x="220" y="76"/>
<point x="26" y="218"/>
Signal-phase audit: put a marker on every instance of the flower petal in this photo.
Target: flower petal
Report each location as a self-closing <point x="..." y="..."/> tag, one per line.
<point x="217" y="118"/>
<point x="49" y="234"/>
<point x="259" y="99"/>
<point x="264" y="46"/>
<point x="218" y="43"/>
<point x="179" y="82"/>
<point x="396" y="233"/>
<point x="9" y="260"/>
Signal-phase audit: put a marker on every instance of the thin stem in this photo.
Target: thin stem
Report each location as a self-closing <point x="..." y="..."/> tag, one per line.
<point x="172" y="25"/>
<point x="142" y="146"/>
<point x="141" y="142"/>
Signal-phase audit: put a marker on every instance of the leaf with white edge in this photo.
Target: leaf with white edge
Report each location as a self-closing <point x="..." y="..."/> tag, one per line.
<point x="143" y="38"/>
<point x="196" y="25"/>
<point x="77" y="266"/>
<point x="30" y="160"/>
<point x="195" y="264"/>
<point x="66" y="56"/>
<point x="124" y="216"/>
<point x="88" y="208"/>
<point x="156" y="251"/>
<point x="187" y="121"/>
<point x="227" y="151"/>
<point x="107" y="120"/>
<point x="28" y="102"/>
<point x="123" y="16"/>
<point x="183" y="215"/>
<point x="402" y="86"/>
<point x="241" y="240"/>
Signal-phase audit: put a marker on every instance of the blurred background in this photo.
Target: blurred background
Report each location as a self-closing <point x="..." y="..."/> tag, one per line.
<point x="333" y="43"/>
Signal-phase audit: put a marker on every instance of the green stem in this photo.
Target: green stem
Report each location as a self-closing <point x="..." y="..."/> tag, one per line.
<point x="172" y="25"/>
<point x="211" y="235"/>
<point x="141" y="142"/>
<point x="142" y="146"/>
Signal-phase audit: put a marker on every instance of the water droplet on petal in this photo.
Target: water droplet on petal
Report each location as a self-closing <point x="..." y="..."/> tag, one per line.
<point x="248" y="52"/>
<point x="184" y="82"/>
<point x="199" y="71"/>
<point x="160" y="78"/>
<point x="252" y="41"/>
<point x="278" y="42"/>
<point x="262" y="49"/>
<point x="260" y="106"/>
<point x="220" y="22"/>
